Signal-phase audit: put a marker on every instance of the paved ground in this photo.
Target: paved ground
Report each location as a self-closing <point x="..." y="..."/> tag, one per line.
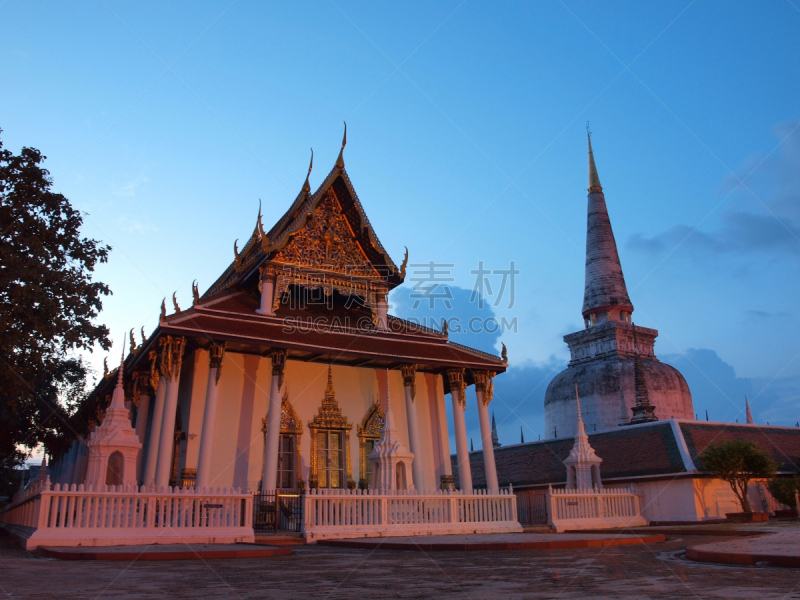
<point x="164" y="552"/>
<point x="776" y="549"/>
<point x="497" y="541"/>
<point x="645" y="571"/>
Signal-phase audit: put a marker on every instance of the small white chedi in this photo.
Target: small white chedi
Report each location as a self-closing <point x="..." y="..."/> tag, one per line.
<point x="390" y="458"/>
<point x="113" y="445"/>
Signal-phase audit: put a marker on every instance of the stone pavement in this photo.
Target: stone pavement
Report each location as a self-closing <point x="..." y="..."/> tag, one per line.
<point x="163" y="552"/>
<point x="642" y="571"/>
<point x="780" y="549"/>
<point x="497" y="541"/>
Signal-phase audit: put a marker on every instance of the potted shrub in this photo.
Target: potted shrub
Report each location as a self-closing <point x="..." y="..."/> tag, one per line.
<point x="738" y="462"/>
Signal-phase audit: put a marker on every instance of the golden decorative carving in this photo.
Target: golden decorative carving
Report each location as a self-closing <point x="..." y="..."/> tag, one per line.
<point x="171" y="356"/>
<point x="484" y="383"/>
<point x="216" y="353"/>
<point x="330" y="418"/>
<point x="153" y="356"/>
<point x="133" y="349"/>
<point x="504" y="353"/>
<point x="144" y="337"/>
<point x="175" y="302"/>
<point x="163" y="316"/>
<point x="444" y="327"/>
<point x="278" y="356"/>
<point x="458" y="384"/>
<point x="410" y="378"/>
<point x="106" y="374"/>
<point x="369" y="432"/>
<point x="327" y="243"/>
<point x="195" y="293"/>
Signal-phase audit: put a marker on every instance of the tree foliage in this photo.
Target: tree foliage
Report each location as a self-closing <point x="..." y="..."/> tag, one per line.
<point x="738" y="462"/>
<point x="48" y="306"/>
<point x="784" y="488"/>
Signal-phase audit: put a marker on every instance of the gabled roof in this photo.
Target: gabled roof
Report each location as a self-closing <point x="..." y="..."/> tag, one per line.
<point x="231" y="317"/>
<point x="263" y="245"/>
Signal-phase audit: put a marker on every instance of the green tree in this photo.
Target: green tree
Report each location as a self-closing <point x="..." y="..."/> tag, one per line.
<point x="783" y="488"/>
<point x="737" y="462"/>
<point x="48" y="304"/>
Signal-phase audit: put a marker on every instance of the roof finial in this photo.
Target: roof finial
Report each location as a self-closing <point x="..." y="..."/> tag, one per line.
<point x="747" y="411"/>
<point x="340" y="160"/>
<point x="306" y="185"/>
<point x="121" y="365"/>
<point x="329" y="386"/>
<point x="594" y="179"/>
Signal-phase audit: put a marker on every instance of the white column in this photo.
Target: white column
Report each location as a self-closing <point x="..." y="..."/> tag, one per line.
<point x="409" y="385"/>
<point x="269" y="478"/>
<point x="268" y="274"/>
<point x="166" y="438"/>
<point x="482" y="383"/>
<point x="216" y="352"/>
<point x="141" y="427"/>
<point x="462" y="450"/>
<point x="151" y="458"/>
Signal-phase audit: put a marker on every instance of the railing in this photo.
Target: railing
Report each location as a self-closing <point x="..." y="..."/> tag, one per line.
<point x="278" y="510"/>
<point x="594" y="509"/>
<point x="531" y="507"/>
<point x="370" y="513"/>
<point x="102" y="515"/>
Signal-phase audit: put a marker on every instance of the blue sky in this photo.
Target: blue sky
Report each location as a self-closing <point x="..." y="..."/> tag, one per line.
<point x="466" y="143"/>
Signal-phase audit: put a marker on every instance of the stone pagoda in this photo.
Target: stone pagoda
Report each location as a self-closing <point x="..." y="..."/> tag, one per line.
<point x="603" y="356"/>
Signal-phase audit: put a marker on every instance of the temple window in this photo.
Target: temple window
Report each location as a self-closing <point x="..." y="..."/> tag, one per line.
<point x="330" y="459"/>
<point x="330" y="447"/>
<point x="289" y="463"/>
<point x="369" y="432"/>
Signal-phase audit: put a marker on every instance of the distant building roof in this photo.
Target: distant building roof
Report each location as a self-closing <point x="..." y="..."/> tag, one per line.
<point x="667" y="447"/>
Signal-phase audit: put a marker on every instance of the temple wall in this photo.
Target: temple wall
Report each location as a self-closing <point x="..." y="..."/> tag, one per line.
<point x="694" y="499"/>
<point x="238" y="452"/>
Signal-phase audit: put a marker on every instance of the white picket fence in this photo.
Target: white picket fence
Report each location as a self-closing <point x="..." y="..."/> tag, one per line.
<point x="594" y="508"/>
<point x="336" y="514"/>
<point x="73" y="515"/>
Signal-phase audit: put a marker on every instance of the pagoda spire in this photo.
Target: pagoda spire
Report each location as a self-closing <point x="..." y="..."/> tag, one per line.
<point x="605" y="291"/>
<point x="747" y="411"/>
<point x="495" y="437"/>
<point x="594" y="178"/>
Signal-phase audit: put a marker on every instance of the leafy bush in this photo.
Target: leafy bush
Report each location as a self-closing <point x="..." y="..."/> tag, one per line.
<point x="783" y="489"/>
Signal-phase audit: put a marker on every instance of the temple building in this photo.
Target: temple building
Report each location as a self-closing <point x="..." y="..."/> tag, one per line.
<point x="279" y="375"/>
<point x="612" y="361"/>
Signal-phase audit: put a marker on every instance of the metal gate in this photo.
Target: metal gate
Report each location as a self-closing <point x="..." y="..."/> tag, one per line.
<point x="278" y="511"/>
<point x="531" y="507"/>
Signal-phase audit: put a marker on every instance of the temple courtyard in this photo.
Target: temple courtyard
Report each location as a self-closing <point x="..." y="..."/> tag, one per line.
<point x="652" y="570"/>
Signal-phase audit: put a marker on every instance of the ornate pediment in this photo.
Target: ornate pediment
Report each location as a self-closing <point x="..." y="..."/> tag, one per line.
<point x="330" y="415"/>
<point x="326" y="243"/>
<point x="290" y="423"/>
<point x="373" y="422"/>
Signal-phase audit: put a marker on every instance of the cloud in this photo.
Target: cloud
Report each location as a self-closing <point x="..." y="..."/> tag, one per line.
<point x="716" y="387"/>
<point x="763" y="208"/>
<point x="518" y="393"/>
<point x="128" y="190"/>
